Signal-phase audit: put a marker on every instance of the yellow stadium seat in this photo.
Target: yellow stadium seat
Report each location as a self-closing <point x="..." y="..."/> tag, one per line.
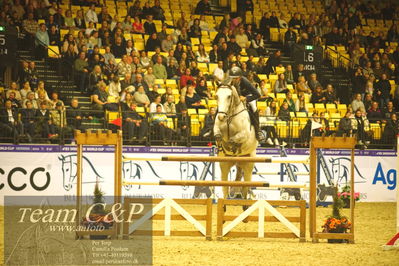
<point x="53" y="51"/>
<point x="310" y="107"/>
<point x="192" y="111"/>
<point x="212" y="103"/>
<point x="376" y="129"/>
<point x="319" y="107"/>
<point x="159" y="81"/>
<point x="203" y="111"/>
<point x="261" y="105"/>
<point x="195" y="127"/>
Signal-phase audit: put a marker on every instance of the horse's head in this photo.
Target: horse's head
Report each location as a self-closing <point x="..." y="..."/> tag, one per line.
<point x="130" y="171"/>
<point x="227" y="99"/>
<point x="68" y="173"/>
<point x="183" y="170"/>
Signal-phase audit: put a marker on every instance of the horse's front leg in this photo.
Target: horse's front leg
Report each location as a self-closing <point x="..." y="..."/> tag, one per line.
<point x="225" y="169"/>
<point x="247" y="169"/>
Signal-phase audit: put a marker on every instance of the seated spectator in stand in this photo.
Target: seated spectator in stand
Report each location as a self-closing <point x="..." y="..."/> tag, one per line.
<point x="30" y="98"/>
<point x="313" y="83"/>
<point x="368" y="101"/>
<point x="300" y="71"/>
<point x="232" y="46"/>
<point x="43" y="122"/>
<point x="183" y="125"/>
<point x="280" y="86"/>
<point x="374" y="114"/>
<point x="360" y="125"/>
<point x="258" y="46"/>
<point x="203" y="8"/>
<point x="94" y="78"/>
<point x="14" y="88"/>
<point x="194" y="69"/>
<point x="378" y="70"/>
<point x="155" y="103"/>
<point x="141" y="82"/>
<point x="153" y="93"/>
<point x="289" y="75"/>
<point x="167" y="44"/>
<point x="273" y="62"/>
<point x="318" y="96"/>
<point x="267" y="123"/>
<point x="302" y="86"/>
<point x="150" y="78"/>
<point x="159" y="69"/>
<point x="169" y="106"/>
<point x="202" y="90"/>
<point x="389" y="110"/>
<point x="149" y="26"/>
<point x="284" y="112"/>
<point x="218" y="72"/>
<point x="207" y="130"/>
<point x="345" y="125"/>
<point x="141" y="97"/>
<point x="173" y="70"/>
<point x="14" y="102"/>
<point x="138" y="27"/>
<point x="242" y="39"/>
<point x="159" y="121"/>
<point x="291" y="104"/>
<point x="186" y="77"/>
<point x="75" y="115"/>
<point x="330" y="95"/>
<point x="193" y="100"/>
<point x="114" y="88"/>
<point x="201" y="55"/>
<point x="300" y="104"/>
<point x="152" y="43"/>
<point x="119" y="47"/>
<point x="81" y="68"/>
<point x="58" y="119"/>
<point x="54" y="100"/>
<point x="391" y="130"/>
<point x="100" y="97"/>
<point x="9" y="123"/>
<point x="357" y="103"/>
<point x="181" y="104"/>
<point x="135" y="124"/>
<point x="28" y="119"/>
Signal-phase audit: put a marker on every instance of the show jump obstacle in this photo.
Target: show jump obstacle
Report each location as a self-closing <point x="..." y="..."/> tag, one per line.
<point x="161" y="209"/>
<point x="99" y="138"/>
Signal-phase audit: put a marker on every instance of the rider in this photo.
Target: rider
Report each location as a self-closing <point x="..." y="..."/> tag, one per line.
<point x="248" y="94"/>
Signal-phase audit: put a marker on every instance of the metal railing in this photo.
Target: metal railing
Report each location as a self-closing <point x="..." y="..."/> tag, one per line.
<point x="295" y="133"/>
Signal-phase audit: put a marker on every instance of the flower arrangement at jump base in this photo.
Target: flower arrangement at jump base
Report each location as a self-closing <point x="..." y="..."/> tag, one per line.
<point x="336" y="223"/>
<point x="345" y="196"/>
<point x="98" y="219"/>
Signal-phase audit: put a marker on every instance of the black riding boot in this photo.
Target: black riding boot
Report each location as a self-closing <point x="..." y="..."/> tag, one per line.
<point x="255" y="122"/>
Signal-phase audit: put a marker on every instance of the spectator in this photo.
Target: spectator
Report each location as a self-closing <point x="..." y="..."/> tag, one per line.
<point x="31" y="26"/>
<point x="368" y="101"/>
<point x="264" y="25"/>
<point x="302" y="86"/>
<point x="152" y="43"/>
<point x="183" y="125"/>
<point x="280" y="86"/>
<point x="345" y="125"/>
<point x="14" y="89"/>
<point x="135" y="124"/>
<point x="357" y="103"/>
<point x="202" y="90"/>
<point x="9" y="121"/>
<point x="284" y="112"/>
<point x="291" y="104"/>
<point x="195" y="29"/>
<point x="207" y="130"/>
<point x="258" y="46"/>
<point x="242" y="39"/>
<point x="24" y="90"/>
<point x="159" y="69"/>
<point x="318" y="96"/>
<point x="149" y="26"/>
<point x="181" y="21"/>
<point x="313" y="82"/>
<point x="30" y="98"/>
<point x="114" y="88"/>
<point x="79" y="20"/>
<point x="43" y="122"/>
<point x="55" y="100"/>
<point x="330" y="95"/>
<point x="42" y="41"/>
<point x="155" y="102"/>
<point x="267" y="123"/>
<point x="91" y="15"/>
<point x="232" y="46"/>
<point x="137" y="26"/>
<point x="290" y="38"/>
<point x="289" y="75"/>
<point x="81" y="71"/>
<point x="160" y="123"/>
<point x="100" y="97"/>
<point x="273" y="62"/>
<point x="75" y="115"/>
<point x="374" y="114"/>
<point x="167" y="44"/>
<point x="28" y="117"/>
<point x="383" y="90"/>
<point x="54" y="36"/>
<point x="186" y="77"/>
<point x="149" y="77"/>
<point x="135" y="10"/>
<point x="203" y="8"/>
<point x="141" y="97"/>
<point x="389" y="110"/>
<point x="360" y="125"/>
<point x="391" y="130"/>
<point x="201" y="55"/>
<point x="169" y="106"/>
<point x="300" y="104"/>
<point x="193" y="100"/>
<point x="299" y="72"/>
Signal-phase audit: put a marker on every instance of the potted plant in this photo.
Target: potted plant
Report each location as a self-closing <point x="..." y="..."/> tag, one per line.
<point x="345" y="196"/>
<point x="336" y="223"/>
<point x="97" y="220"/>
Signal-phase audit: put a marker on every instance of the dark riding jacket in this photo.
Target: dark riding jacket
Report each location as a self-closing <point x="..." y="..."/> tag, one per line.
<point x="245" y="88"/>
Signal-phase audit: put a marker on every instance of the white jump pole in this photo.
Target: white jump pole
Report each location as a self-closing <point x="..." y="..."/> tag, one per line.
<point x="278" y="173"/>
<point x="394" y="242"/>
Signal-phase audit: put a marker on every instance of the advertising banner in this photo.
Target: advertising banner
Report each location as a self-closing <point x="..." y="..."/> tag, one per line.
<point x="51" y="170"/>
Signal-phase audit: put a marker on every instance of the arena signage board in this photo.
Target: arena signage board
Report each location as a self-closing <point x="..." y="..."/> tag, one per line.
<point x="51" y="170"/>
